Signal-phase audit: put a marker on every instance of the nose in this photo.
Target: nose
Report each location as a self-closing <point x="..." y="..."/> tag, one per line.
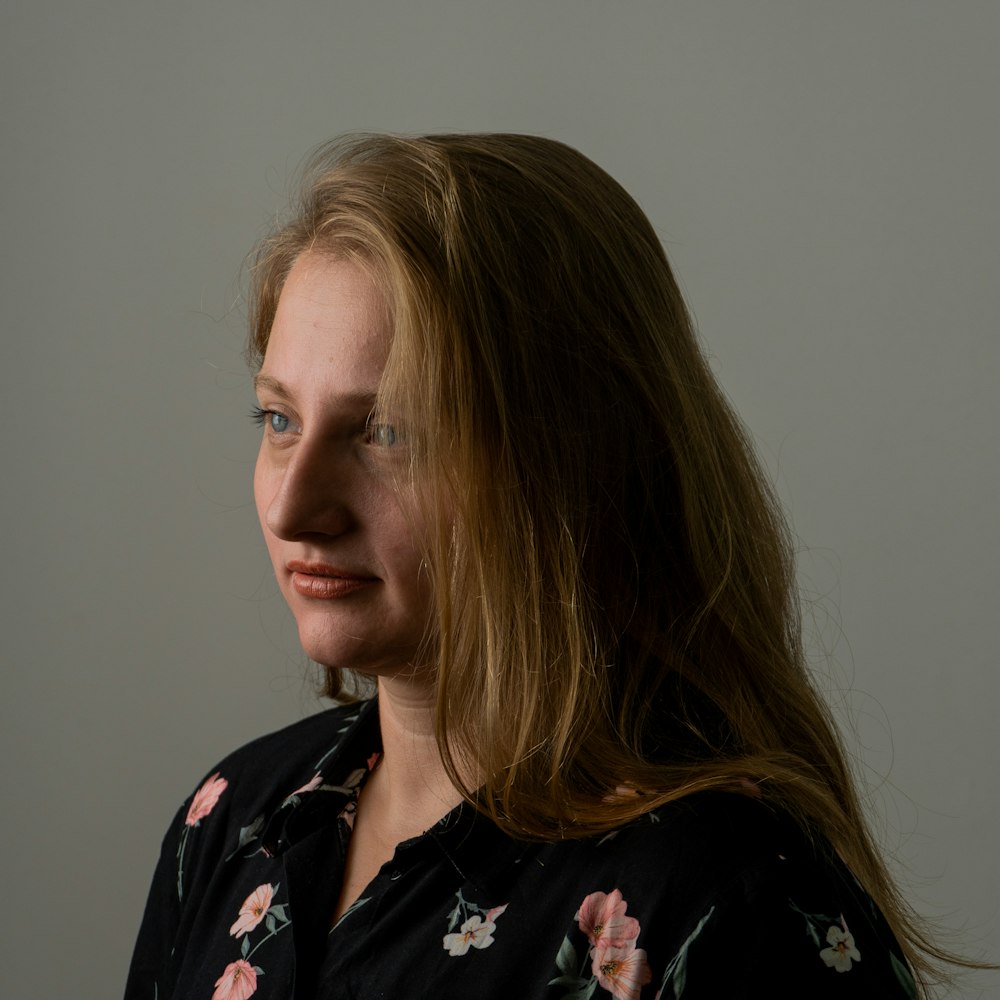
<point x="308" y="492"/>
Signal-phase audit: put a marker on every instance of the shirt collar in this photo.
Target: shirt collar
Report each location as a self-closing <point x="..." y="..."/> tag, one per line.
<point x="478" y="850"/>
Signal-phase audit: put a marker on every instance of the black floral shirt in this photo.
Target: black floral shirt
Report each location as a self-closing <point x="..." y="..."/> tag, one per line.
<point x="714" y="896"/>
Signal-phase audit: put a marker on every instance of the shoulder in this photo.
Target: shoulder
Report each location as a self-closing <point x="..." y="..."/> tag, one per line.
<point x="742" y="856"/>
<point x="229" y="805"/>
<point x="216" y="839"/>
<point x="722" y="895"/>
<point x="705" y="842"/>
<point x="269" y="763"/>
<point x="295" y="743"/>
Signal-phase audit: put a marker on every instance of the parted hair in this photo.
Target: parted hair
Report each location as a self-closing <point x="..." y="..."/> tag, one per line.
<point x="617" y="622"/>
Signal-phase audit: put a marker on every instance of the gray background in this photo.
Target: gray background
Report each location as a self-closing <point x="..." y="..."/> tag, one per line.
<point x="825" y="178"/>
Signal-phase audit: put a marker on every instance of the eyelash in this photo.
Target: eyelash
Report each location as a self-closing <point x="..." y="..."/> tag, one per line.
<point x="259" y="416"/>
<point x="373" y="432"/>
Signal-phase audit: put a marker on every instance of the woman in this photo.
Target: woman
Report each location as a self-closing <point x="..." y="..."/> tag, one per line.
<point x="499" y="484"/>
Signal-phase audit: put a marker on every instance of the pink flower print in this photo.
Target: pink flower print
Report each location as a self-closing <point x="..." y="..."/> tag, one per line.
<point x="253" y="909"/>
<point x="622" y="792"/>
<point x="205" y="799"/>
<point x="602" y="918"/>
<point x="475" y="933"/>
<point x="491" y="915"/>
<point x="842" y="952"/>
<point x="310" y="786"/>
<point x="622" y="971"/>
<point x="238" y="982"/>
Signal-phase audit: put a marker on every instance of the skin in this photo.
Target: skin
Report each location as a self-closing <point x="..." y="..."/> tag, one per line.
<point x="324" y="480"/>
<point x="330" y="511"/>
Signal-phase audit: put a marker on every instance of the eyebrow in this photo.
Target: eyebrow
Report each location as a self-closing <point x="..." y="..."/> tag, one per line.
<point x="261" y="381"/>
<point x="271" y="384"/>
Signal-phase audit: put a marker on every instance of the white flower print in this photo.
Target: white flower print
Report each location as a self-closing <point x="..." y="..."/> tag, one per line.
<point x="842" y="952"/>
<point x="475" y="933"/>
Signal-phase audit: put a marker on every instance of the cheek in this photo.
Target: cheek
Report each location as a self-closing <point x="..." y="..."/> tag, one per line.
<point x="399" y="549"/>
<point x="262" y="490"/>
<point x="413" y="573"/>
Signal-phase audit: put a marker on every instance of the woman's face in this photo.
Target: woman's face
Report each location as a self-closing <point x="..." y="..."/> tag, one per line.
<point x="342" y="548"/>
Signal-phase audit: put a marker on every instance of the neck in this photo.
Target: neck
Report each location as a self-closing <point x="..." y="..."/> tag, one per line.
<point x="411" y="789"/>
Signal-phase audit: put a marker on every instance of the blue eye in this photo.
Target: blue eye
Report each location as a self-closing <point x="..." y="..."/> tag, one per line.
<point x="277" y="422"/>
<point x="383" y="435"/>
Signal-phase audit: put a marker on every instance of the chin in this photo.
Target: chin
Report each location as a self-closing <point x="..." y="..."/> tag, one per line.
<point x="337" y="655"/>
<point x="355" y="654"/>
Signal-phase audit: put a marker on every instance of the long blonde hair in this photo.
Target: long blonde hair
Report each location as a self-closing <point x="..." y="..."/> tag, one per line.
<point x="617" y="621"/>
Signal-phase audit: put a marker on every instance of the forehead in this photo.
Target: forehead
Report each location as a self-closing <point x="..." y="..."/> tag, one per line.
<point x="331" y="327"/>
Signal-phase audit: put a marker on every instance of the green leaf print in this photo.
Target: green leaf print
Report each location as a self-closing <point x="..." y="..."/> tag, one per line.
<point x="585" y="994"/>
<point x="904" y="976"/>
<point x="566" y="960"/>
<point x="676" y="971"/>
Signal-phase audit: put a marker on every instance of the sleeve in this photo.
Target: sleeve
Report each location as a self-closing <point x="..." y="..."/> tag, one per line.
<point x="789" y="930"/>
<point x="160" y="922"/>
<point x="189" y="854"/>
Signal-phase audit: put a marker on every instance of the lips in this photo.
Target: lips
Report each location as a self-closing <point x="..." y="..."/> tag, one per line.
<point x="325" y="582"/>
